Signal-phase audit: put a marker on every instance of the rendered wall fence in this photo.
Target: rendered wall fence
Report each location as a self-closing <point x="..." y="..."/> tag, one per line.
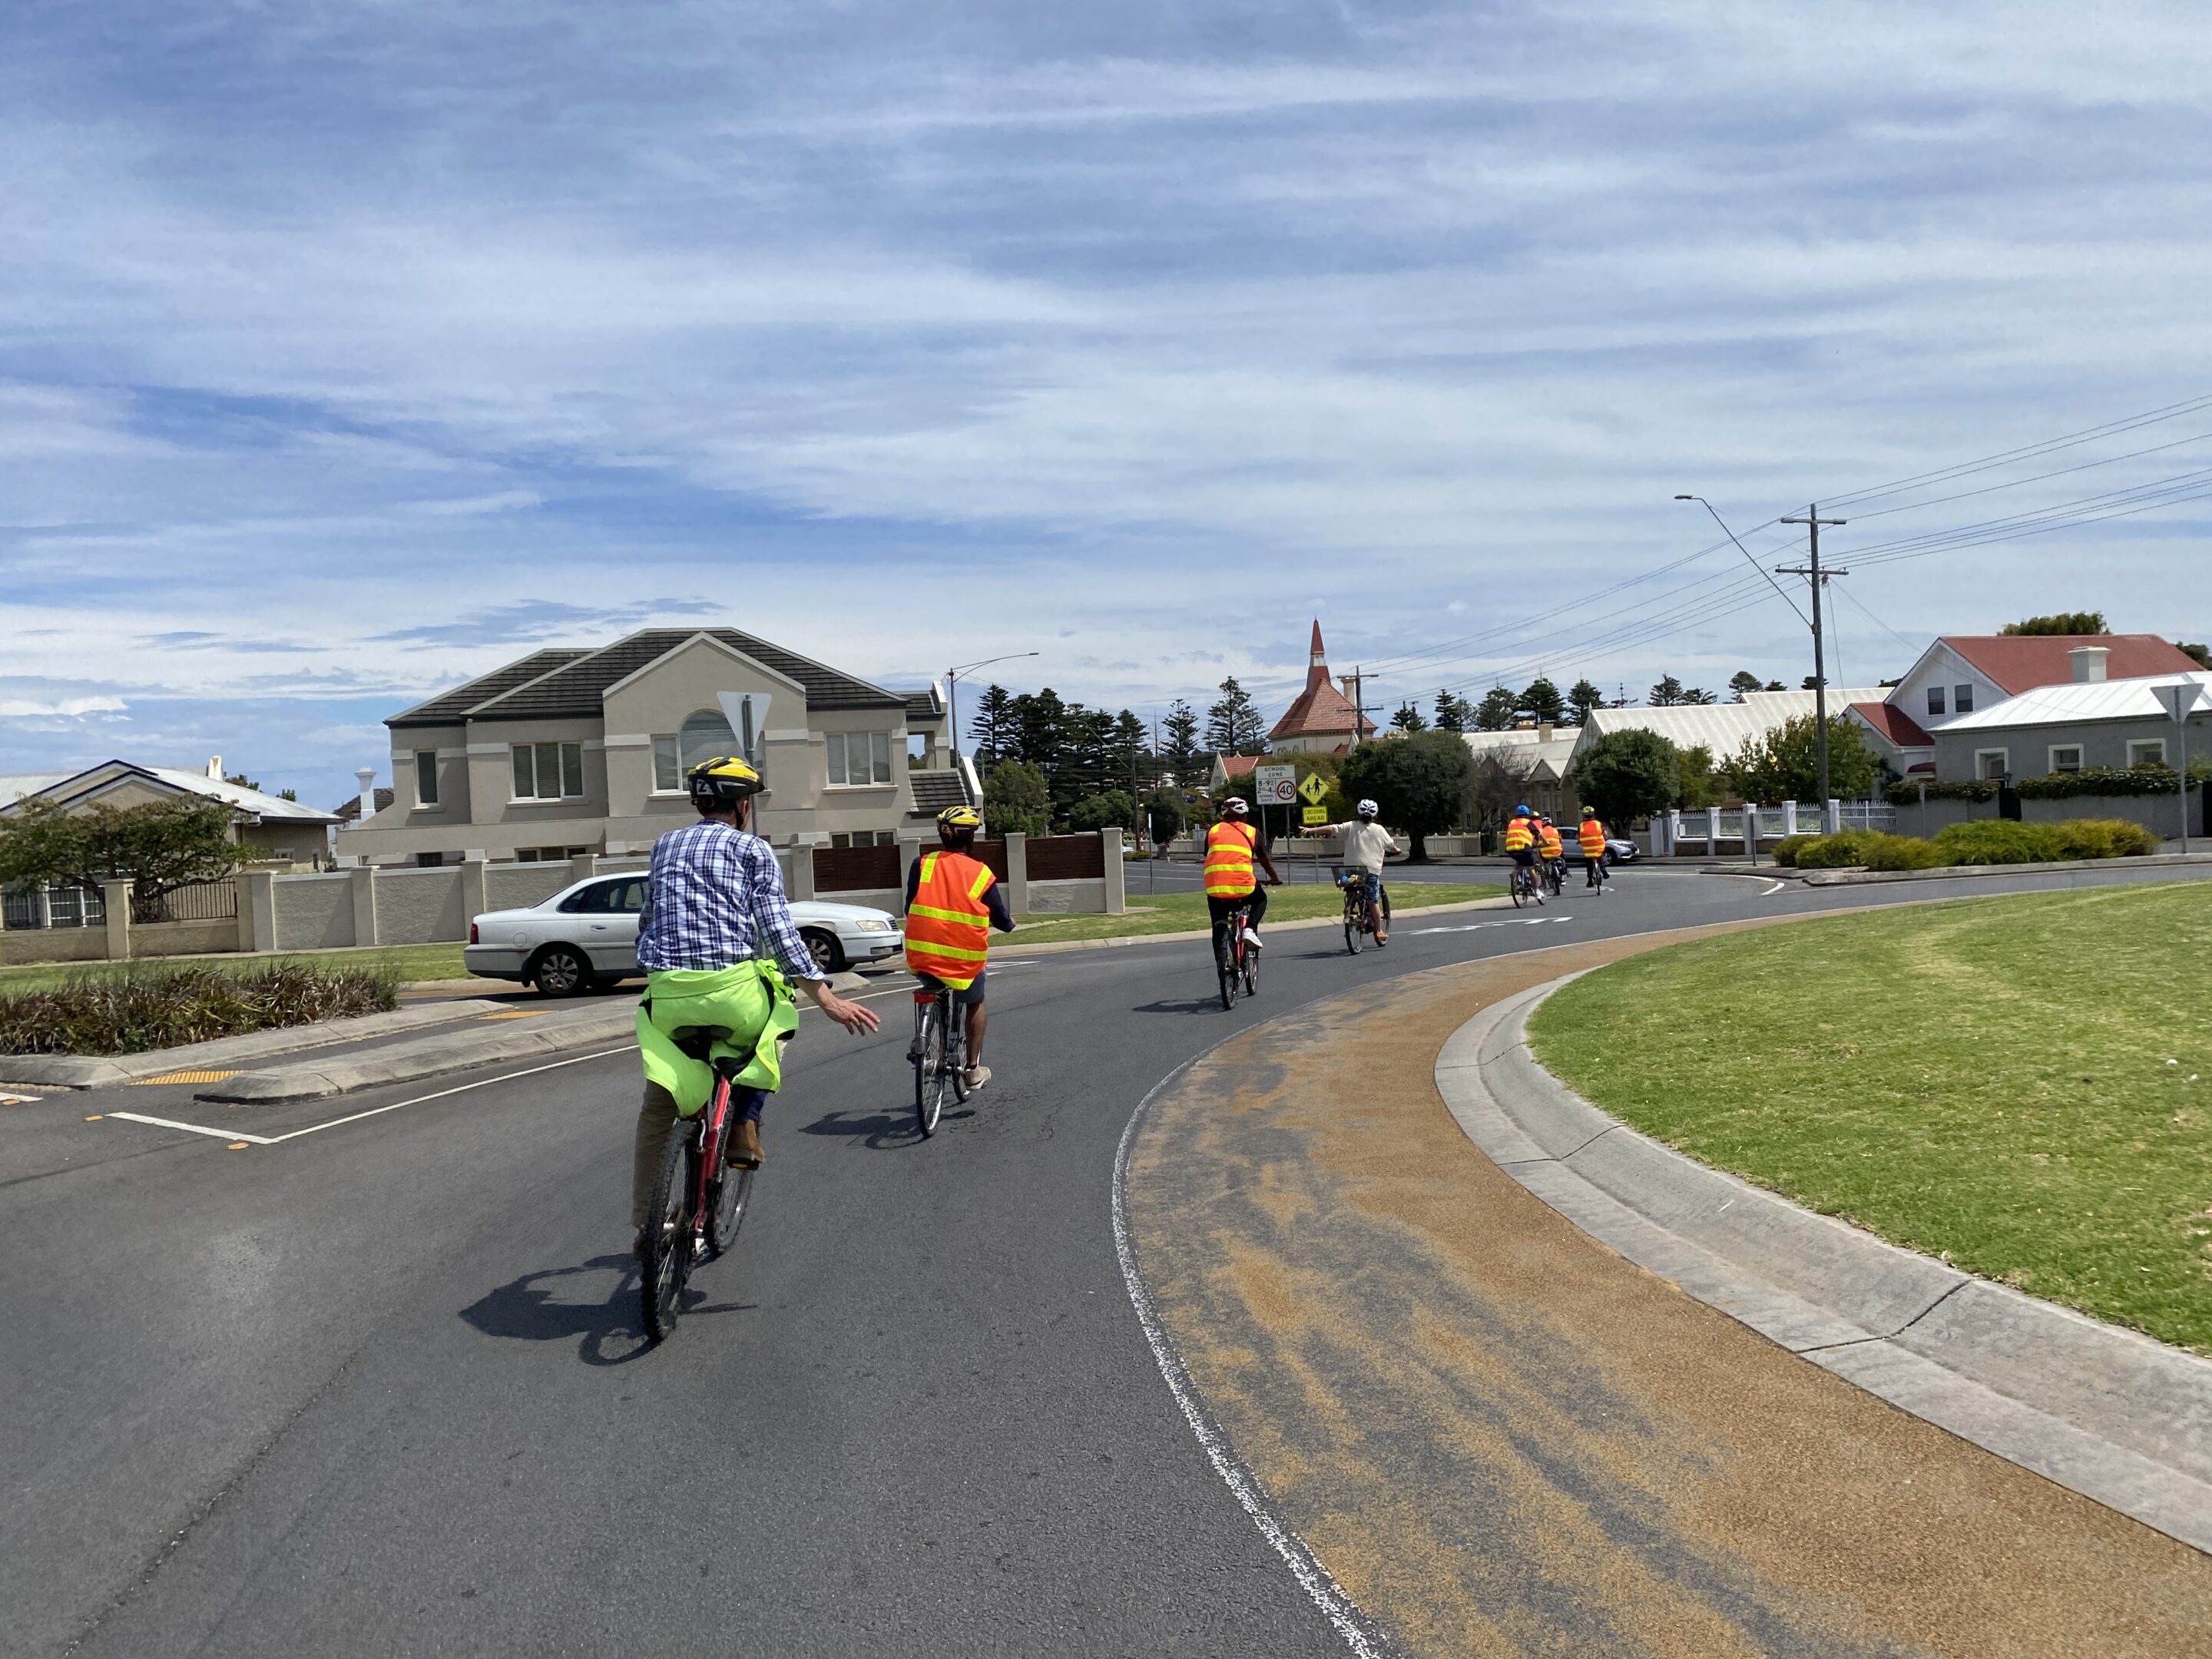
<point x="313" y="913"/>
<point x="419" y="907"/>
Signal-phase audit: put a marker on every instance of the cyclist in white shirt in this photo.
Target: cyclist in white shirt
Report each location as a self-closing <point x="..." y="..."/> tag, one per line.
<point x="1366" y="844"/>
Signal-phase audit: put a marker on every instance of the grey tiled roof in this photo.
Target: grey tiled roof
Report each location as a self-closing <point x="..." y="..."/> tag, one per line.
<point x="570" y="684"/>
<point x="935" y="791"/>
<point x="925" y="705"/>
<point x="451" y="707"/>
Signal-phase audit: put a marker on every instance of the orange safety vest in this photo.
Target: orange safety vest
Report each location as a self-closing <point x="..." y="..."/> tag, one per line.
<point x="1549" y="841"/>
<point x="1592" y="836"/>
<point x="948" y="926"/>
<point x="1229" y="859"/>
<point x="1519" y="837"/>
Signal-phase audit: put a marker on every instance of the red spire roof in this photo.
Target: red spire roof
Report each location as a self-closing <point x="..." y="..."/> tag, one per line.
<point x="1320" y="707"/>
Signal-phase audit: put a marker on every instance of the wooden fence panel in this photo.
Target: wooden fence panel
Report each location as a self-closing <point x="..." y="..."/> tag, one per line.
<point x="857" y="869"/>
<point x="1066" y="858"/>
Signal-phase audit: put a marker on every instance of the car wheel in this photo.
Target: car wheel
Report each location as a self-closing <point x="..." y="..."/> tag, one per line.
<point x="560" y="971"/>
<point x="827" y="951"/>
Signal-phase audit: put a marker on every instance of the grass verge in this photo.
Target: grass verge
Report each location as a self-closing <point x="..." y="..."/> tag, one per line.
<point x="401" y="963"/>
<point x="1182" y="913"/>
<point x="2019" y="1085"/>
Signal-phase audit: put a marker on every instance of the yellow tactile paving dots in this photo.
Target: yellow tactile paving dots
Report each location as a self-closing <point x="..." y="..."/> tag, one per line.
<point x="1503" y="1439"/>
<point x="181" y="1077"/>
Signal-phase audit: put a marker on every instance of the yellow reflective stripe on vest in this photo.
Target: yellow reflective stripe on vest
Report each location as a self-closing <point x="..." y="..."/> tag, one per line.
<point x="964" y="918"/>
<point x="958" y="952"/>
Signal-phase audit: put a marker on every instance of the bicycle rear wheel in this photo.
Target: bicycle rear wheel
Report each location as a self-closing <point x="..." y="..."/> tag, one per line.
<point x="666" y="1264"/>
<point x="1225" y="962"/>
<point x="930" y="1078"/>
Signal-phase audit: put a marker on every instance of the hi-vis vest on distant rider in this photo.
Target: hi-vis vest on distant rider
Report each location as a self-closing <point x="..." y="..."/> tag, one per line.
<point x="1228" y="847"/>
<point x="1549" y="841"/>
<point x="1592" y="836"/>
<point x="1519" y="837"/>
<point x="948" y="926"/>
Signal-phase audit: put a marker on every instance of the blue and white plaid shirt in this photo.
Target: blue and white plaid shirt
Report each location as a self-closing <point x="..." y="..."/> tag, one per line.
<point x="712" y="887"/>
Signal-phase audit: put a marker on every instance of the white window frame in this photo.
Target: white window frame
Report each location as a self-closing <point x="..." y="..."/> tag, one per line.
<point x="2073" y="748"/>
<point x="2137" y="745"/>
<point x="876" y="752"/>
<point x="1936" y="703"/>
<point x="426" y="773"/>
<point x="1962" y="699"/>
<point x="563" y="754"/>
<point x="2003" y="759"/>
<point x="667" y="748"/>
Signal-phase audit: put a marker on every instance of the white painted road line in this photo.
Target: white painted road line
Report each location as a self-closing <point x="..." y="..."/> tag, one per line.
<point x="1769" y="892"/>
<point x="373" y="1111"/>
<point x="1477" y="927"/>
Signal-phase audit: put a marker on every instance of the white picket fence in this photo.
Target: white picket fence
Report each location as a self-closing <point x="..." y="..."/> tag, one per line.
<point x="1710" y="829"/>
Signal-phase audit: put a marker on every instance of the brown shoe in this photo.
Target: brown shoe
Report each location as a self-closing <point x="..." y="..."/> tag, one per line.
<point x="744" y="1150"/>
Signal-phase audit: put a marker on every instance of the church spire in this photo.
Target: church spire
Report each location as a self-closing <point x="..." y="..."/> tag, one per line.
<point x="1317" y="664"/>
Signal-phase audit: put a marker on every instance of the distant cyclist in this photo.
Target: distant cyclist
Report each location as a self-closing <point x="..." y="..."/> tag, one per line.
<point x="1231" y="847"/>
<point x="715" y="891"/>
<point x="1366" y="845"/>
<point x="952" y="903"/>
<point x="1521" y="845"/>
<point x="1550" y="849"/>
<point x="1591" y="834"/>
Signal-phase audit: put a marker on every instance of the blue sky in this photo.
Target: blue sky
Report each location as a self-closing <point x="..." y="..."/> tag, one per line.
<point x="347" y="350"/>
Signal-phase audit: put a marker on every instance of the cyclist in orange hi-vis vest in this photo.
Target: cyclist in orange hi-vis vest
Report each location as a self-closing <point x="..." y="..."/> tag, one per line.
<point x="1591" y="835"/>
<point x="952" y="903"/>
<point x="1231" y="847"/>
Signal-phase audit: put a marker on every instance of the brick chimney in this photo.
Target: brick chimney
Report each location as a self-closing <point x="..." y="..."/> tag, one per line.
<point x="2088" y="662"/>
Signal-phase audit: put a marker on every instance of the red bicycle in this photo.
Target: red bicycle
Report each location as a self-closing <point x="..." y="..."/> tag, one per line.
<point x="698" y="1202"/>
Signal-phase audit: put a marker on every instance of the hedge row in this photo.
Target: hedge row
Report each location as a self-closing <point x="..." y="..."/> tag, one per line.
<point x="1984" y="841"/>
<point x="163" y="1007"/>
<point x="2151" y="778"/>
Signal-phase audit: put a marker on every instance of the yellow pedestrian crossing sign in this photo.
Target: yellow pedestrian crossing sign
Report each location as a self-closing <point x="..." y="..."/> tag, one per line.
<point x="1316" y="815"/>
<point x="1313" y="787"/>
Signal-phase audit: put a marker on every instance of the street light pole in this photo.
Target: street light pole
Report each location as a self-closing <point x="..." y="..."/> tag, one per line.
<point x="952" y="694"/>
<point x="1813" y="521"/>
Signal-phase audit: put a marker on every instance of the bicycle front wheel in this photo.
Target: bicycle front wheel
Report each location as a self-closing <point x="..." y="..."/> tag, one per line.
<point x="1515" y="885"/>
<point x="667" y="1259"/>
<point x="1225" y="963"/>
<point x="929" y="1070"/>
<point x="731" y="1197"/>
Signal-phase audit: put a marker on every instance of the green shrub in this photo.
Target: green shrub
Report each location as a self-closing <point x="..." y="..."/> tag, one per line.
<point x="162" y="1007"/>
<point x="1998" y="840"/>
<point x="2103" y="838"/>
<point x="1907" y="791"/>
<point x="1838" y="851"/>
<point x="1883" y="852"/>
<point x="1786" y="849"/>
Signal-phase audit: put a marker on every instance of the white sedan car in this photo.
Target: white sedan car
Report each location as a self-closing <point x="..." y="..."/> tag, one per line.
<point x="586" y="935"/>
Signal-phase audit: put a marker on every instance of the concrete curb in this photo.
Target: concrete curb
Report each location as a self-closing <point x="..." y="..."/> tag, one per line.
<point x="1051" y="947"/>
<point x="429" y="1056"/>
<point x="2112" y="1415"/>
<point x="94" y="1072"/>
<point x="1857" y="878"/>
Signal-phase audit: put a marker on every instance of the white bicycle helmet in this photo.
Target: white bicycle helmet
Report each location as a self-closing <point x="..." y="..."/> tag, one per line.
<point x="1367" y="809"/>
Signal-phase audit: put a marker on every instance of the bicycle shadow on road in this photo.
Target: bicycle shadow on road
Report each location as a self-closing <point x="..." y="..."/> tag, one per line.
<point x="1205" y="1005"/>
<point x="879" y="1132"/>
<point x="532" y="1309"/>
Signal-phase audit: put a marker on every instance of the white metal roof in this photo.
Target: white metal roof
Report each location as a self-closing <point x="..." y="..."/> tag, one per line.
<point x="197" y="783"/>
<point x="13" y="786"/>
<point x="2078" y="700"/>
<point x="1722" y="727"/>
<point x="1544" y="757"/>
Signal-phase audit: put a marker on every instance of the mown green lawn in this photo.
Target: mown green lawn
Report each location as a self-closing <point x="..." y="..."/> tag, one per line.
<point x="2021" y="1084"/>
<point x="1179" y="913"/>
<point x="408" y="961"/>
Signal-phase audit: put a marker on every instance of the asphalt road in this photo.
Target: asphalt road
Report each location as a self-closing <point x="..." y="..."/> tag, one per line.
<point x="380" y="1388"/>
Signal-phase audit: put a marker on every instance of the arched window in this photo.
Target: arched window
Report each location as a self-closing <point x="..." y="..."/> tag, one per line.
<point x="704" y="735"/>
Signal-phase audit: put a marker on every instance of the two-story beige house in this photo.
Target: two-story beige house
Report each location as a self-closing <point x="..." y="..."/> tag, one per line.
<point x="569" y="751"/>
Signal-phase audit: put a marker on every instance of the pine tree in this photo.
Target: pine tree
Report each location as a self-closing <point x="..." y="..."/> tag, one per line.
<point x="1743" y="681"/>
<point x="1233" y="726"/>
<point x="1542" y="702"/>
<point x="1496" y="711"/>
<point x="1698" y="693"/>
<point x="1134" y="767"/>
<point x="1668" y="693"/>
<point x="1408" y="719"/>
<point x="1179" y="743"/>
<point x="1039" y="732"/>
<point x="1582" y="698"/>
<point x="1454" y="712"/>
<point x="991" y="728"/>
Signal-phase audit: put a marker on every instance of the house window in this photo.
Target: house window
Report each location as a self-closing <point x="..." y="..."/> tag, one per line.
<point x="859" y="757"/>
<point x="1935" y="699"/>
<point x="549" y="771"/>
<point x="1962" y="699"/>
<point x="705" y="735"/>
<point x="863" y="837"/>
<point x="2147" y="751"/>
<point x="1991" y="762"/>
<point x="667" y="768"/>
<point x="2066" y="759"/>
<point x="426" y="777"/>
<point x="548" y="855"/>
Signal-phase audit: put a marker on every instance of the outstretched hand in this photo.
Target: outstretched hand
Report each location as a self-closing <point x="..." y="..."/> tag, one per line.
<point x="854" y="1017"/>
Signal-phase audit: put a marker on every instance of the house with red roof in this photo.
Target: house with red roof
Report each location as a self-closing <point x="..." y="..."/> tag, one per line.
<point x="1971" y="674"/>
<point x="1323" y="720"/>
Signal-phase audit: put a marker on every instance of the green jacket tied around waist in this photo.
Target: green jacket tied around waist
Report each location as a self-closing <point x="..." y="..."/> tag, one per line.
<point x="750" y="1007"/>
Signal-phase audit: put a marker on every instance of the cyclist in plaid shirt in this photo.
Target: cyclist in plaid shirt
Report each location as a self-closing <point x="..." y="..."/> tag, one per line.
<point x="713" y="885"/>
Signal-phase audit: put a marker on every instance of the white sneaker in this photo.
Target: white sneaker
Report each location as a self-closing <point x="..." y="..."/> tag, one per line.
<point x="975" y="1076"/>
<point x="1252" y="939"/>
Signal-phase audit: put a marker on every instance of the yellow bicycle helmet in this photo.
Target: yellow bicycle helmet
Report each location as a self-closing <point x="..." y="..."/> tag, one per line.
<point x="959" y="817"/>
<point x="722" y="782"/>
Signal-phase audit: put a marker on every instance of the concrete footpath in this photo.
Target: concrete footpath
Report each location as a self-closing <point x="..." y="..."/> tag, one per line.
<point x="2111" y="1413"/>
<point x="1498" y="1435"/>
